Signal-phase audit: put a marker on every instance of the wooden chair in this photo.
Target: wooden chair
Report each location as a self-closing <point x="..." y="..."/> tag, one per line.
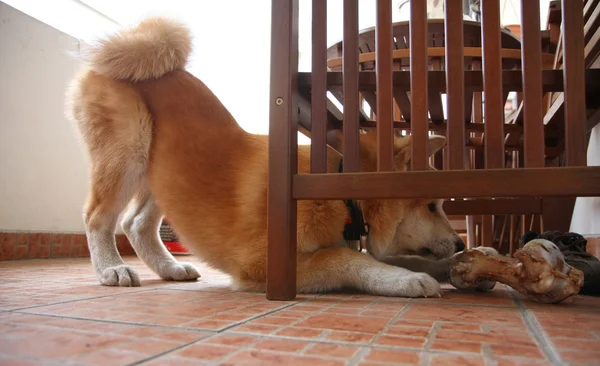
<point x="555" y="213"/>
<point x="294" y="94"/>
<point x="501" y="230"/>
<point x="472" y="53"/>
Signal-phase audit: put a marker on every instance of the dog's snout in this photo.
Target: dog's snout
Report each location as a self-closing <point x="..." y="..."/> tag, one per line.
<point x="459" y="246"/>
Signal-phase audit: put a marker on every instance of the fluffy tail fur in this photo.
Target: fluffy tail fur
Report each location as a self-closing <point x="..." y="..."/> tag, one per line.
<point x="153" y="48"/>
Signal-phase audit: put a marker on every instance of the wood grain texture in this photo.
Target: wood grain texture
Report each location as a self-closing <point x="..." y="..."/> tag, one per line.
<point x="499" y="183"/>
<point x="318" y="148"/>
<point x="455" y="151"/>
<point x="283" y="157"/>
<point x="418" y="84"/>
<point x="532" y="84"/>
<point x="385" y="107"/>
<point x="351" y="151"/>
<point x="574" y="76"/>
<point x="552" y="80"/>
<point x="492" y="80"/>
<point x="494" y="207"/>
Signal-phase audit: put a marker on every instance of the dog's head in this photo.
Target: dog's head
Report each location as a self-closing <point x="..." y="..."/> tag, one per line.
<point x="406" y="226"/>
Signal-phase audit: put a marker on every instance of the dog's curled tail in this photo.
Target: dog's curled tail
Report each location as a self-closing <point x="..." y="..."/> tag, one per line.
<point x="151" y="49"/>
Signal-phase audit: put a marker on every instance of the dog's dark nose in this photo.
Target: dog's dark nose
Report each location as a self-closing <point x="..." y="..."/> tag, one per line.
<point x="459" y="246"/>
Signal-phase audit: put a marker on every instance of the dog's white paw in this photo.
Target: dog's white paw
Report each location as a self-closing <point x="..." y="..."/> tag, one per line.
<point x="179" y="271"/>
<point x="418" y="285"/>
<point x="122" y="275"/>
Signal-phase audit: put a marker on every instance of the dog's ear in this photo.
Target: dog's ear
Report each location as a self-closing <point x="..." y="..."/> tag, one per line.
<point x="403" y="148"/>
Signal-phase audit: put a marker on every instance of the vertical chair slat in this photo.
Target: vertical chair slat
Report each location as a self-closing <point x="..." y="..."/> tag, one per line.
<point x="283" y="147"/>
<point x="531" y="51"/>
<point x="350" y="71"/>
<point x="385" y="109"/>
<point x="492" y="85"/>
<point x="455" y="84"/>
<point x="574" y="81"/>
<point x="418" y="83"/>
<point x="318" y="148"/>
<point x="477" y="98"/>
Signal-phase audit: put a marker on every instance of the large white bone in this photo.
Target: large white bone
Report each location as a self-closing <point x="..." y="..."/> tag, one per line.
<point x="538" y="270"/>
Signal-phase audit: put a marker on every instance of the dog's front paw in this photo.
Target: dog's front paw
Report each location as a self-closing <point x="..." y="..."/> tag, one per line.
<point x="122" y="275"/>
<point x="179" y="271"/>
<point x="418" y="285"/>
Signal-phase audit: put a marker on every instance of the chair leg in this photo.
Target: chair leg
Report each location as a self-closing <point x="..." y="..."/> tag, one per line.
<point x="283" y="146"/>
<point x="487" y="231"/>
<point x="557" y="213"/>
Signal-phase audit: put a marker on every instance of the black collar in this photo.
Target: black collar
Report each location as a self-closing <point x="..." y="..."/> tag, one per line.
<point x="355" y="227"/>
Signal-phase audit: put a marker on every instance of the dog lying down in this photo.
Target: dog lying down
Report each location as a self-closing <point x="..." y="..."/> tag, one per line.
<point x="161" y="143"/>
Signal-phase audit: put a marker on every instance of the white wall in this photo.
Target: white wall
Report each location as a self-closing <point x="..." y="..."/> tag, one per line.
<point x="586" y="216"/>
<point x="43" y="172"/>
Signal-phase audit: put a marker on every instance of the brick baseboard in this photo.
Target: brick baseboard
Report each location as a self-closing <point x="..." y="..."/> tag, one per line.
<point x="15" y="245"/>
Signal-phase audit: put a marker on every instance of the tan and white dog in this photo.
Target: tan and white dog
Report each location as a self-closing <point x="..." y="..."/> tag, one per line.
<point x="161" y="142"/>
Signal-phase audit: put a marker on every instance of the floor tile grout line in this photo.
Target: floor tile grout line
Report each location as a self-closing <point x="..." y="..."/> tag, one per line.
<point x="342" y="343"/>
<point x="297" y="320"/>
<point x="221" y="330"/>
<point x="162" y="353"/>
<point x="240" y="350"/>
<point x="213" y="333"/>
<point x="540" y="335"/>
<point x="169" y="287"/>
<point x="536" y="330"/>
<point x="166" y="327"/>
<point x="21" y="310"/>
<point x="486" y="347"/>
<point x="426" y="359"/>
<point x="359" y="356"/>
<point x="425" y="302"/>
<point x="265" y="314"/>
<point x="35" y="360"/>
<point x="486" y="351"/>
<point x="390" y="323"/>
<point x="79" y="300"/>
<point x="182" y="326"/>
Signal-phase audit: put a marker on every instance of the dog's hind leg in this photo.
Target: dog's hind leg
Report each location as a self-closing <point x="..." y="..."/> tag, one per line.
<point x="112" y="186"/>
<point x="337" y="268"/>
<point x="140" y="224"/>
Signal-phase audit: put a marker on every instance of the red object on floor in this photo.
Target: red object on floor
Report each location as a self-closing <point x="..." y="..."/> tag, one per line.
<point x="170" y="240"/>
<point x="176" y="248"/>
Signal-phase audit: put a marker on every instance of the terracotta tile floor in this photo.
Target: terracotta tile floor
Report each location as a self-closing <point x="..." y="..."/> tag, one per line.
<point x="53" y="312"/>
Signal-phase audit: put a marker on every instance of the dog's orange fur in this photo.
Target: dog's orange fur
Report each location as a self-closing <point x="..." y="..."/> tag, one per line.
<point x="154" y="131"/>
